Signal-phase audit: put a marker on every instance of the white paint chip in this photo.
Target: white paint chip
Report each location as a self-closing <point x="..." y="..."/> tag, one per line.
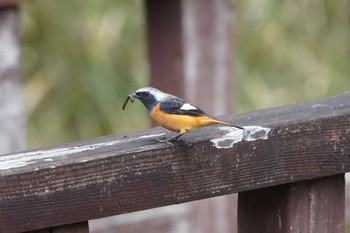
<point x="152" y="135"/>
<point x="188" y="106"/>
<point x="234" y="135"/>
<point x="25" y="158"/>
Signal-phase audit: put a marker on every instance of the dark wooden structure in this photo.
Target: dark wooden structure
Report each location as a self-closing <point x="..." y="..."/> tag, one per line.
<point x="190" y="53"/>
<point x="291" y="182"/>
<point x="11" y="107"/>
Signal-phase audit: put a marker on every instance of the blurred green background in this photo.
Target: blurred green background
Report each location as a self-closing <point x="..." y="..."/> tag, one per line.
<point x="81" y="58"/>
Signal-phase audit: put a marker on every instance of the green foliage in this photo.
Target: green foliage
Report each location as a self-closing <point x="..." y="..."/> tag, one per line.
<point x="81" y="58"/>
<point x="290" y="51"/>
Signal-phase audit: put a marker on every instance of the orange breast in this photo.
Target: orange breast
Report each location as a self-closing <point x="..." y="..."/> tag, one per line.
<point x="179" y="123"/>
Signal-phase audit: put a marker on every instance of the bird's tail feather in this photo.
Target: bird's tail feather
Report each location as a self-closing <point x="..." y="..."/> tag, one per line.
<point x="211" y="121"/>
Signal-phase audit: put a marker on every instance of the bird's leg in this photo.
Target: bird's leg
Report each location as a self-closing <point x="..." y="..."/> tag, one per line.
<point x="168" y="141"/>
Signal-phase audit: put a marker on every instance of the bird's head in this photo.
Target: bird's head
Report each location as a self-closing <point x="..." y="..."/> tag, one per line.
<point x="149" y="96"/>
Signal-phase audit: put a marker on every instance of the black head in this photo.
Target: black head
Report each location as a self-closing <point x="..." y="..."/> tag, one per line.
<point x="150" y="96"/>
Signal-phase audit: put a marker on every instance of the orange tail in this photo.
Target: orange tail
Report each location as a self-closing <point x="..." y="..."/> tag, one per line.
<point x="211" y="121"/>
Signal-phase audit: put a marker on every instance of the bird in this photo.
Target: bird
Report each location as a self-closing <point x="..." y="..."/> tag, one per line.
<point x="172" y="112"/>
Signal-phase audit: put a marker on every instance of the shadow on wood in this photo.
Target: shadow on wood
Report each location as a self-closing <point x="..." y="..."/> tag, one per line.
<point x="307" y="206"/>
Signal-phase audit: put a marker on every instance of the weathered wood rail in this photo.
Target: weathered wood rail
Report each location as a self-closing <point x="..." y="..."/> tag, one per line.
<point x="308" y="147"/>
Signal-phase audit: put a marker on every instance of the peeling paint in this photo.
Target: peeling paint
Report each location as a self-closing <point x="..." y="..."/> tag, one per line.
<point x="25" y="158"/>
<point x="152" y="135"/>
<point x="234" y="135"/>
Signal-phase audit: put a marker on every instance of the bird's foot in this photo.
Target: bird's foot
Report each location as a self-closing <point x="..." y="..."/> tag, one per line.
<point x="167" y="141"/>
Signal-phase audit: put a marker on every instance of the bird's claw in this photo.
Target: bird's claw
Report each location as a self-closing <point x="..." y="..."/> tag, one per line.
<point x="167" y="141"/>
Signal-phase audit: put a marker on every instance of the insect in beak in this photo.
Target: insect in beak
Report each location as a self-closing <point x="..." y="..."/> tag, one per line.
<point x="130" y="97"/>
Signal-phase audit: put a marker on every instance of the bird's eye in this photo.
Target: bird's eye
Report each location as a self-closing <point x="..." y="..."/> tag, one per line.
<point x="146" y="93"/>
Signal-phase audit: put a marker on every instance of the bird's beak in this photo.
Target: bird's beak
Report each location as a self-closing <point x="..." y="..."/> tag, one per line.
<point x="133" y="95"/>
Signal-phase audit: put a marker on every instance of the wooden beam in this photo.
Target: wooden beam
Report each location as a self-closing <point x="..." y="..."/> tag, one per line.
<point x="307" y="206"/>
<point x="129" y="172"/>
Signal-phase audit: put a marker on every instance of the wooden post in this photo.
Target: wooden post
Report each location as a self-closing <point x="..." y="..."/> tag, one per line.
<point x="80" y="227"/>
<point x="11" y="107"/>
<point x="12" y="126"/>
<point x="190" y="53"/>
<point x="307" y="206"/>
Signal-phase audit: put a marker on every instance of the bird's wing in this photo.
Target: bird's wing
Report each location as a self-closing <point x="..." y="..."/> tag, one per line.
<point x="175" y="105"/>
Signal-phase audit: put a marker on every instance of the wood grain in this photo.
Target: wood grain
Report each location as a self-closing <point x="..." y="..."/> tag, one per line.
<point x="308" y="206"/>
<point x="129" y="172"/>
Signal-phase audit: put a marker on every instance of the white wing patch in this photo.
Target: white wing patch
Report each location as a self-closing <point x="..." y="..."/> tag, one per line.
<point x="187" y="106"/>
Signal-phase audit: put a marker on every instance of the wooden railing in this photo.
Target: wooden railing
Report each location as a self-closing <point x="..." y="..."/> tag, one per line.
<point x="290" y="181"/>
